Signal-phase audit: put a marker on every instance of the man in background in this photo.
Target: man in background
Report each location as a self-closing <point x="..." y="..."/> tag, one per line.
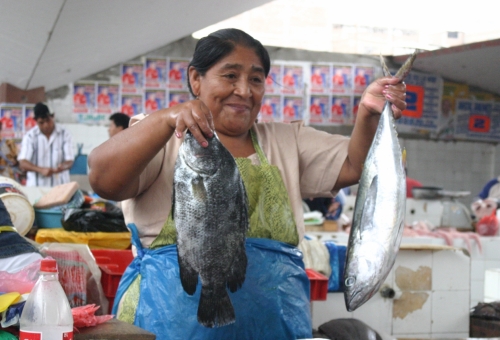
<point x="119" y="122"/>
<point x="46" y="151"/>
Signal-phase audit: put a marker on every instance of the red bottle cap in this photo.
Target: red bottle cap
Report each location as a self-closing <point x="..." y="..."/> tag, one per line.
<point x="48" y="265"/>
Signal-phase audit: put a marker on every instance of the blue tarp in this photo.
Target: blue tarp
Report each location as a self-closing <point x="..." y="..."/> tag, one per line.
<point x="337" y="262"/>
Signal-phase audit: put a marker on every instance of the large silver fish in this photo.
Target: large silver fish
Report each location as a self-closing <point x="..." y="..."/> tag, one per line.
<point x="379" y="211"/>
<point x="211" y="218"/>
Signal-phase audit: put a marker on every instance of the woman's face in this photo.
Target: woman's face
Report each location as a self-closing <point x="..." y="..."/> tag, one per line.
<point x="232" y="89"/>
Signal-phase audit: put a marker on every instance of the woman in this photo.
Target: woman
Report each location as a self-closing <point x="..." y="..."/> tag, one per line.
<point x="279" y="163"/>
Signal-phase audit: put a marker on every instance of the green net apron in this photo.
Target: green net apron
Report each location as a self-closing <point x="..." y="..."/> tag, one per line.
<point x="270" y="213"/>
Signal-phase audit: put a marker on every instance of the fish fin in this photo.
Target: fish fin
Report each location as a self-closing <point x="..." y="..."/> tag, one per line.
<point x="199" y="190"/>
<point x="370" y="203"/>
<point x="215" y="308"/>
<point x="189" y="276"/>
<point x="236" y="275"/>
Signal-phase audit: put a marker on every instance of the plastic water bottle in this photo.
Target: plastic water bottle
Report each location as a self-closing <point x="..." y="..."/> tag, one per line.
<point x="47" y="314"/>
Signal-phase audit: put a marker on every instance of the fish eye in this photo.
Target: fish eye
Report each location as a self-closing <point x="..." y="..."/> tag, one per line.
<point x="350" y="281"/>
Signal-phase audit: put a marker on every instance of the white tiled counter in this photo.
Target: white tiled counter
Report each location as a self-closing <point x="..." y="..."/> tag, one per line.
<point x="432" y="296"/>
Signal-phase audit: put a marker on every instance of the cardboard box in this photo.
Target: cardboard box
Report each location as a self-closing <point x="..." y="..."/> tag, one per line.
<point x="314" y="228"/>
<point x="330" y="225"/>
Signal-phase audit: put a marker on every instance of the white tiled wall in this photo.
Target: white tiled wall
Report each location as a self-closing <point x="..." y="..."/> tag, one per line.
<point x="459" y="166"/>
<point x="492" y="285"/>
<point x="88" y="135"/>
<point x="443" y="314"/>
<point x="446" y="320"/>
<point x="489" y="258"/>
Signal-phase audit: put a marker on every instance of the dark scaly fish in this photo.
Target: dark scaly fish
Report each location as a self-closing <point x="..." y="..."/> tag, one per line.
<point x="211" y="218"/>
<point x="379" y="211"/>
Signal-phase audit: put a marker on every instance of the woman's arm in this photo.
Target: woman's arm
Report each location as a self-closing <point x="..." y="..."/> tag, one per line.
<point x="116" y="164"/>
<point x="372" y="103"/>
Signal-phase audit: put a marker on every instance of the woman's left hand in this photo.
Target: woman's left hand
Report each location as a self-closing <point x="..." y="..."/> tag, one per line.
<point x="370" y="107"/>
<point x="381" y="90"/>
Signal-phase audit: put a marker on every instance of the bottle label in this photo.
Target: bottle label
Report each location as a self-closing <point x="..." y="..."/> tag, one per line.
<point x="24" y="335"/>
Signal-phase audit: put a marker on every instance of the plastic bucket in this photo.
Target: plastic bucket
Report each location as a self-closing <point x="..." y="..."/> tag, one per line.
<point x="20" y="210"/>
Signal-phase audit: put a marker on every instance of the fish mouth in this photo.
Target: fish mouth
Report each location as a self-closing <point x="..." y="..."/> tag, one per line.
<point x="351" y="305"/>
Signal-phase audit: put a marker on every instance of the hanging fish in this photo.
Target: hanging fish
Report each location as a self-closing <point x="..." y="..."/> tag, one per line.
<point x="211" y="218"/>
<point x="379" y="211"/>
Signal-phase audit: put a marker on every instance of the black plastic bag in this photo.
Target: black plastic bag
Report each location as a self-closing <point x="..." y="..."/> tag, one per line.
<point x="92" y="220"/>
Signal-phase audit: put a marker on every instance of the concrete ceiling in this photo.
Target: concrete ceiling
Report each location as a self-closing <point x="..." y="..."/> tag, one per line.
<point x="474" y="64"/>
<point x="55" y="42"/>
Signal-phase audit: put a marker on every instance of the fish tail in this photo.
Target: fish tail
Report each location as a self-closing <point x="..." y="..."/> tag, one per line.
<point x="405" y="69"/>
<point x="385" y="69"/>
<point x="215" y="308"/>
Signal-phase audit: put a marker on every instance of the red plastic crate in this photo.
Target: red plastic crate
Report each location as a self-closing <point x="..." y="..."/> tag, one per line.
<point x="112" y="263"/>
<point x="319" y="285"/>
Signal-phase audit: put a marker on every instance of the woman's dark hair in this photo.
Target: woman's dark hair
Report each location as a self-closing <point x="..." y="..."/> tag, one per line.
<point x="217" y="45"/>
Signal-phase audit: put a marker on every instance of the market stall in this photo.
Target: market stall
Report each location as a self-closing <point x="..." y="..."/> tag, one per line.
<point x="249" y="264"/>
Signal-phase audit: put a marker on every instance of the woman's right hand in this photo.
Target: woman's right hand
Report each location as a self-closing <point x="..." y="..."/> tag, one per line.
<point x="195" y="116"/>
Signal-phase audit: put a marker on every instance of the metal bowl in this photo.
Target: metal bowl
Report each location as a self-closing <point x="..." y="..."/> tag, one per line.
<point x="429" y="193"/>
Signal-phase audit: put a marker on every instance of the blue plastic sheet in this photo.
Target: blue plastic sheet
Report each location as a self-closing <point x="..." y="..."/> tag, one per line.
<point x="11" y="316"/>
<point x="337" y="262"/>
<point x="273" y="302"/>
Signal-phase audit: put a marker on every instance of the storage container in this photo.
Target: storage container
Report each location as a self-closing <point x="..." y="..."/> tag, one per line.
<point x="319" y="285"/>
<point x="48" y="218"/>
<point x="112" y="264"/>
<point x="17" y="204"/>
